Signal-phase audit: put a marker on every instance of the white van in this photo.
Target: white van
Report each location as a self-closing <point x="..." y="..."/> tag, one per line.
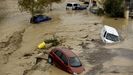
<point x="109" y="34"/>
<point x="72" y="5"/>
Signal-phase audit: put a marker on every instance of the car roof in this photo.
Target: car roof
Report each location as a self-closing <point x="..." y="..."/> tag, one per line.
<point x="67" y="52"/>
<point x="73" y="2"/>
<point x="111" y="30"/>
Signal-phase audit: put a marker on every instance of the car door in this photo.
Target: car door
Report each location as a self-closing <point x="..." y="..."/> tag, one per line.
<point x="64" y="62"/>
<point x="57" y="58"/>
<point x="61" y="60"/>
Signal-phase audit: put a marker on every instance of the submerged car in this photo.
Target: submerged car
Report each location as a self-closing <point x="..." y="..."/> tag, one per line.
<point x="94" y="9"/>
<point x="71" y="6"/>
<point x="75" y="6"/>
<point x="109" y="35"/>
<point x="66" y="60"/>
<point x="80" y="7"/>
<point x="39" y="18"/>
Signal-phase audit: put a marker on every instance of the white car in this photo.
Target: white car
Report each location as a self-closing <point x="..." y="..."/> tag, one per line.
<point x="109" y="35"/>
<point x="72" y="6"/>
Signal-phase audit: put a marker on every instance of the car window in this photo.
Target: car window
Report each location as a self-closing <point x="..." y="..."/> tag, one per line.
<point x="69" y="5"/>
<point x="104" y="34"/>
<point x="75" y="4"/>
<point x="112" y="37"/>
<point x="64" y="59"/>
<point x="40" y="18"/>
<point x="44" y="17"/>
<point x="74" y="62"/>
<point x="58" y="53"/>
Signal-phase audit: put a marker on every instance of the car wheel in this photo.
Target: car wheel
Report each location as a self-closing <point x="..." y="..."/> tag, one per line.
<point x="50" y="60"/>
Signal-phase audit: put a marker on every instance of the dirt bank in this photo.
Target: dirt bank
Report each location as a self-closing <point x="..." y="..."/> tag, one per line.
<point x="9" y="45"/>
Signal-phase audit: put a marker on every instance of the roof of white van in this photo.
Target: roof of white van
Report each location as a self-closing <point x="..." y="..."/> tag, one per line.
<point x="111" y="30"/>
<point x="72" y="2"/>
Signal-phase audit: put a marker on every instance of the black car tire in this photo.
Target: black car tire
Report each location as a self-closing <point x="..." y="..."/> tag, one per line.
<point x="50" y="60"/>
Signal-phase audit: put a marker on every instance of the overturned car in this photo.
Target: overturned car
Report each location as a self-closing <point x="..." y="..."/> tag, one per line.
<point x="109" y="35"/>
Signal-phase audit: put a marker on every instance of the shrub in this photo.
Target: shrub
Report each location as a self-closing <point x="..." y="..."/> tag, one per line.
<point x="100" y="12"/>
<point x="114" y="8"/>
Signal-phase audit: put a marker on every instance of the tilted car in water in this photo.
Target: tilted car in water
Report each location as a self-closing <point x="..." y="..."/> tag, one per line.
<point x="39" y="19"/>
<point x="109" y="35"/>
<point x="66" y="60"/>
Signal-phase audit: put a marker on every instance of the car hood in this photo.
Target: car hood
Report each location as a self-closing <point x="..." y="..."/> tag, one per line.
<point x="77" y="69"/>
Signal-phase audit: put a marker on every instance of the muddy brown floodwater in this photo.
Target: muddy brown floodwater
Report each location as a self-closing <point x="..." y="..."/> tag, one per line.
<point x="79" y="31"/>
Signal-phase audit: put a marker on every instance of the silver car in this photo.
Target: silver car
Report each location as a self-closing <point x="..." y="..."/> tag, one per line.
<point x="131" y="13"/>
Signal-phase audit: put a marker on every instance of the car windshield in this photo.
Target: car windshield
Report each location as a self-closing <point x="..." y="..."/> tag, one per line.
<point x="112" y="37"/>
<point x="75" y="4"/>
<point x="74" y="62"/>
<point x="69" y="5"/>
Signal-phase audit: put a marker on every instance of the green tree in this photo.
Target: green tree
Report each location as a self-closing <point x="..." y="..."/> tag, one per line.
<point x="35" y="6"/>
<point x="114" y="8"/>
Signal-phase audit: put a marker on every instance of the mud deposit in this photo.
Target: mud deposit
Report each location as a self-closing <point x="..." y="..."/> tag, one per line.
<point x="2" y="15"/>
<point x="10" y="45"/>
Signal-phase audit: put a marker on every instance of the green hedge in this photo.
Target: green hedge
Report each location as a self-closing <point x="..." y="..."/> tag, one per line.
<point x="114" y="8"/>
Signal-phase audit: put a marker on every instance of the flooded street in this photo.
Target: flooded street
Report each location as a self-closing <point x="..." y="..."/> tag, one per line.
<point x="79" y="30"/>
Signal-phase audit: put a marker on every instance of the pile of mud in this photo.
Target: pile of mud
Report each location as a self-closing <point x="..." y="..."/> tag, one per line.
<point x="10" y="45"/>
<point x="2" y="8"/>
